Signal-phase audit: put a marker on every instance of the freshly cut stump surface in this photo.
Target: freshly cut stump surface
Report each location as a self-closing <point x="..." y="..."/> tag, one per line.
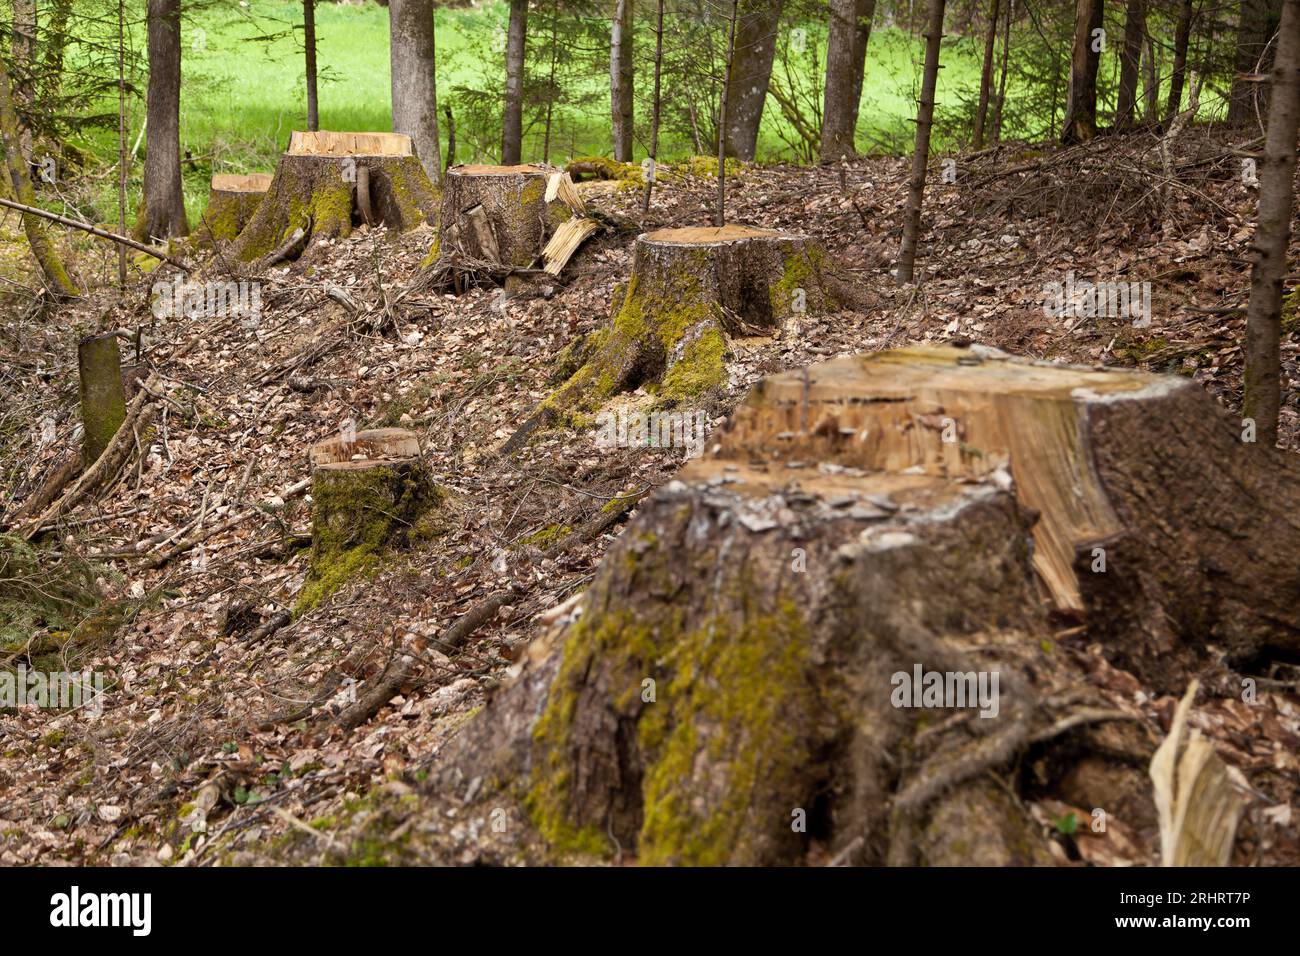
<point x="233" y="199"/>
<point x="746" y="651"/>
<point x="315" y="191"/>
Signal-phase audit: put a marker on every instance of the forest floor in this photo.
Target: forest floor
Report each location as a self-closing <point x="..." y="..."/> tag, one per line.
<point x="214" y="748"/>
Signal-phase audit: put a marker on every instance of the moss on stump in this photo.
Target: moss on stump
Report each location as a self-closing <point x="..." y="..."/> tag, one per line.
<point x="369" y="495"/>
<point x="314" y="190"/>
<point x="232" y="202"/>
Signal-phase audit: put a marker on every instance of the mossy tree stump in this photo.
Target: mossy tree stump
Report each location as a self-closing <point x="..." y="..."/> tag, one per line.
<point x="316" y="190"/>
<point x="233" y="198"/>
<point x="370" y="492"/>
<point x="497" y="215"/>
<point x="103" y="397"/>
<point x="728" y="688"/>
<point x="690" y="290"/>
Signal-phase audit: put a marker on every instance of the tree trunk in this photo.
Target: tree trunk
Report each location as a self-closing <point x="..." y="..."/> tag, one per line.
<point x="652" y="173"/>
<point x="846" y="50"/>
<point x="309" y="45"/>
<point x="512" y="126"/>
<point x="103" y="399"/>
<point x="315" y="185"/>
<point x="1182" y="37"/>
<point x="1080" y="124"/>
<point x="1135" y="26"/>
<point x="921" y="154"/>
<point x="753" y="643"/>
<point x="24" y="57"/>
<point x="1151" y="86"/>
<point x="720" y="213"/>
<point x="620" y="78"/>
<point x="986" y="75"/>
<point x="749" y="74"/>
<point x="414" y="85"/>
<point x="1258" y="21"/>
<point x="18" y="182"/>
<point x="232" y="202"/>
<point x="1263" y="382"/>
<point x="163" y="212"/>
<point x="1002" y="79"/>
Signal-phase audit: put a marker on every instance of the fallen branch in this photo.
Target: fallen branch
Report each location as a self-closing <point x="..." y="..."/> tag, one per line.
<point x="96" y="231"/>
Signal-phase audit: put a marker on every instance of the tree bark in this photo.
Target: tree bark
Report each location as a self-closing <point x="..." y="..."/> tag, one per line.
<point x="1151" y="83"/>
<point x="103" y="399"/>
<point x="162" y="215"/>
<point x="749" y="74"/>
<point x="921" y="153"/>
<point x="846" y="53"/>
<point x="732" y="660"/>
<point x="512" y="126"/>
<point x="495" y="214"/>
<point x="720" y="212"/>
<point x="620" y="78"/>
<point x="1130" y="62"/>
<point x="986" y="75"/>
<point x="18" y="182"/>
<point x="1263" y="381"/>
<point x="309" y="45"/>
<point x="653" y="172"/>
<point x="414" y="83"/>
<point x="1258" y="21"/>
<point x="1002" y="79"/>
<point x="24" y="57"/>
<point x="232" y="202"/>
<point x="1182" y="37"/>
<point x="1080" y="124"/>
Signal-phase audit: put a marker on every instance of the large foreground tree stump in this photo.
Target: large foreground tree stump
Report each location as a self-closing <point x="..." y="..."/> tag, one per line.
<point x="371" y="492"/>
<point x="233" y="199"/>
<point x="327" y="183"/>
<point x="750" y="676"/>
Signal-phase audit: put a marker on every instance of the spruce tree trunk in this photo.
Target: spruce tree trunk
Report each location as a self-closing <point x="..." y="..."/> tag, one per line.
<point x="1182" y="37"/>
<point x="1255" y="27"/>
<point x="1080" y="123"/>
<point x="1276" y="195"/>
<point x="846" y="52"/>
<point x="1002" y="79"/>
<point x="414" y="87"/>
<point x="162" y="215"/>
<point x="18" y="183"/>
<point x="750" y="74"/>
<point x="1151" y="82"/>
<point x="656" y="109"/>
<point x="921" y="153"/>
<point x="986" y="75"/>
<point x="1130" y="61"/>
<point x="309" y="44"/>
<point x="620" y="79"/>
<point x="512" y="126"/>
<point x="24" y="57"/>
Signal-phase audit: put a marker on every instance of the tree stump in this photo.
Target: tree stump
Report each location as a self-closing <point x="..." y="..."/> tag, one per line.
<point x="103" y="397"/>
<point x="498" y="215"/>
<point x="315" y="191"/>
<point x="689" y="291"/>
<point x="371" y="492"/>
<point x="751" y="676"/>
<point x="232" y="200"/>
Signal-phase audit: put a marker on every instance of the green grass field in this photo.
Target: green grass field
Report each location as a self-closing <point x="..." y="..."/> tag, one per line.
<point x="243" y="94"/>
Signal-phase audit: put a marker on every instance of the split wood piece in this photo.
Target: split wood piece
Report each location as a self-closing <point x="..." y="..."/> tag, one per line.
<point x="689" y="291"/>
<point x="370" y="492"/>
<point x="498" y="215"/>
<point x="315" y="185"/>
<point x="233" y="198"/>
<point x="565" y="242"/>
<point x="103" y="397"/>
<point x="734" y="658"/>
<point x="1154" y="521"/>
